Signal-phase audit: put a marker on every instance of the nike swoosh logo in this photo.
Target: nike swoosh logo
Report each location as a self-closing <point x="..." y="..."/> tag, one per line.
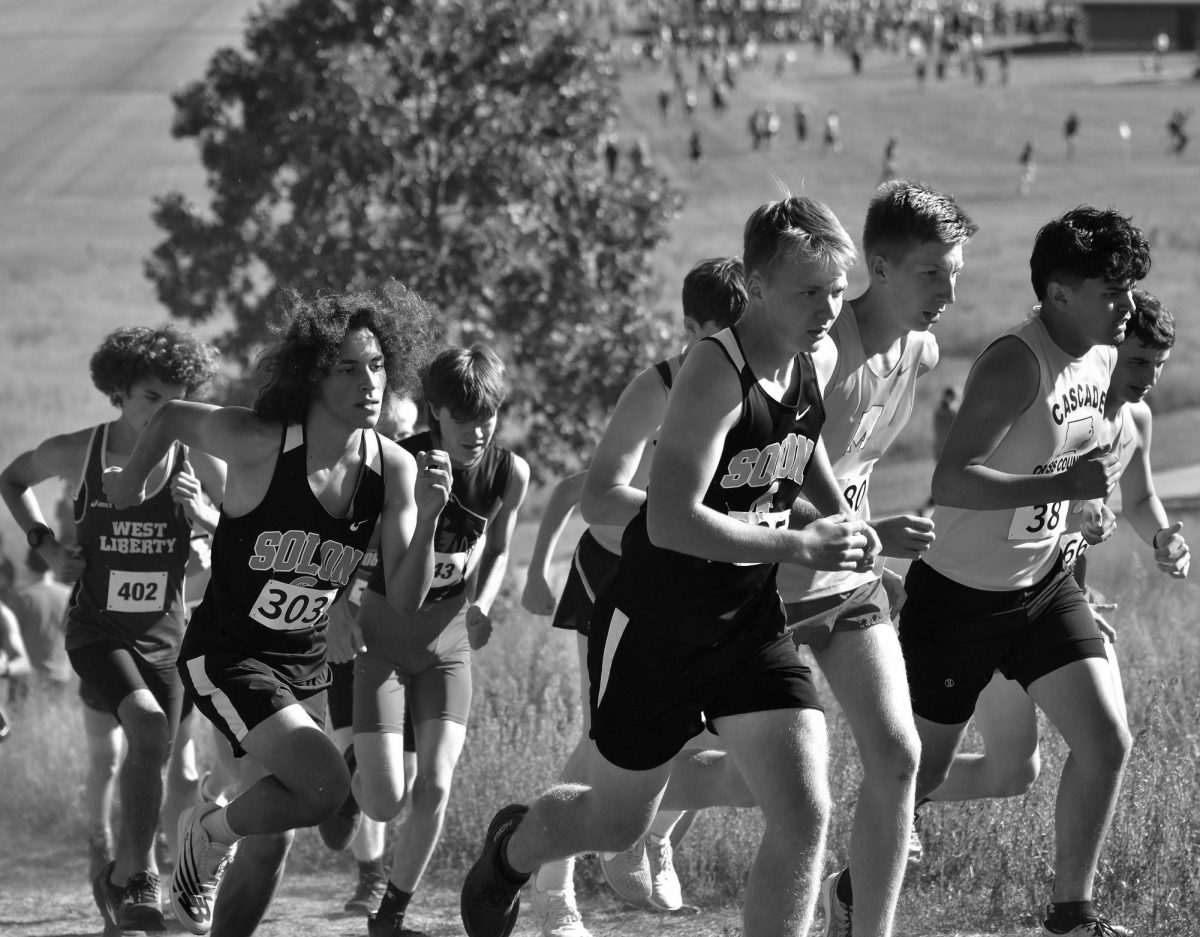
<point x="800" y="415"/>
<point x="356" y="525"/>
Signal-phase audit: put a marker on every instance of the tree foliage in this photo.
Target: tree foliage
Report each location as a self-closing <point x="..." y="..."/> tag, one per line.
<point x="451" y="145"/>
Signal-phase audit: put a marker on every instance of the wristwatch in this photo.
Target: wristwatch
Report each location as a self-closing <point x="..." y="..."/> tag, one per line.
<point x="37" y="535"/>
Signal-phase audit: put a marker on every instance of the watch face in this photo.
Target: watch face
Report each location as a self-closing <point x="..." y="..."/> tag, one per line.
<point x="37" y="535"/>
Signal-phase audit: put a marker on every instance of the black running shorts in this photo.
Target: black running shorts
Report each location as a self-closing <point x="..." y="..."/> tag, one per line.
<point x="955" y="637"/>
<point x="591" y="567"/>
<point x="650" y="694"/>
<point x="109" y="671"/>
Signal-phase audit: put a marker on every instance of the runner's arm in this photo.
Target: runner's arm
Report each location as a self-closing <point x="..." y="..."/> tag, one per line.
<point x="1001" y="386"/>
<point x="14" y="658"/>
<point x="608" y="495"/>
<point x="537" y="597"/>
<point x="1144" y="508"/>
<point x="493" y="560"/>
<point x="415" y="496"/>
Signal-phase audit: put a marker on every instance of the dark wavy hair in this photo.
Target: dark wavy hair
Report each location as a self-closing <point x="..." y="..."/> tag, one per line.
<point x="1086" y="243"/>
<point x="311" y="333"/>
<point x="469" y="382"/>
<point x="168" y="353"/>
<point x="1151" y="323"/>
<point x="715" y="291"/>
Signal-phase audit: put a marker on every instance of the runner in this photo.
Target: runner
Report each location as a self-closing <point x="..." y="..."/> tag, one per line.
<point x="1005" y="716"/>
<point x="307" y="479"/>
<point x="913" y="240"/>
<point x="993" y="593"/>
<point x="422" y="657"/>
<point x="678" y="640"/>
<point x="713" y="297"/>
<point x="127" y="612"/>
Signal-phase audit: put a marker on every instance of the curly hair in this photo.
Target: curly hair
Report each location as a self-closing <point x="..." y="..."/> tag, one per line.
<point x="168" y="353"/>
<point x="311" y="335"/>
<point x="1086" y="243"/>
<point x="1151" y="323"/>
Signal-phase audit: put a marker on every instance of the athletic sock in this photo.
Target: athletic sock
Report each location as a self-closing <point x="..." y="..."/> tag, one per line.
<point x="371" y="867"/>
<point x="216" y="825"/>
<point x="505" y="869"/>
<point x="556" y="875"/>
<point x="394" y="903"/>
<point x="845" y="894"/>
<point x="664" y="822"/>
<point x="1064" y="915"/>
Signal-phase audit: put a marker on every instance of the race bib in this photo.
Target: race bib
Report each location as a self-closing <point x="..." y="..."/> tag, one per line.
<point x="449" y="569"/>
<point x="762" y="518"/>
<point x="1039" y="521"/>
<point x="357" y="588"/>
<point x="136" y="591"/>
<point x="286" y="606"/>
<point x="855" y="491"/>
<point x="1072" y="546"/>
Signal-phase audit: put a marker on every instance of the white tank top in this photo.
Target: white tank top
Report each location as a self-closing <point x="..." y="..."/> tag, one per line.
<point x="1121" y="433"/>
<point x="864" y="413"/>
<point x="1013" y="548"/>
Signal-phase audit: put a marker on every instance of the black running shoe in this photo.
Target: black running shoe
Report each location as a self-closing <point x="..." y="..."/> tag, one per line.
<point x="339" y="830"/>
<point x="141" y="907"/>
<point x="108" y="896"/>
<point x="391" y="926"/>
<point x="491" y="900"/>
<point x="100" y="852"/>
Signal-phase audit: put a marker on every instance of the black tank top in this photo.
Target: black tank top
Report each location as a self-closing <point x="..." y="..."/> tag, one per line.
<point x="278" y="568"/>
<point x="762" y="465"/>
<point x="132" y="587"/>
<point x="475" y="494"/>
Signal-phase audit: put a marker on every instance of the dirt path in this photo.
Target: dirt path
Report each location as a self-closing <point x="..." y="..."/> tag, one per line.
<point x="44" y="893"/>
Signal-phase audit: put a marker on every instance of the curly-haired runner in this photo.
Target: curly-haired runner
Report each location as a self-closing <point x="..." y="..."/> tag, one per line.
<point x="308" y="479"/>
<point x="127" y="611"/>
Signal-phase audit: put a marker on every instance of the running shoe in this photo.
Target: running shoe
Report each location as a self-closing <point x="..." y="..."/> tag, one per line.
<point x="338" y="830"/>
<point x="665" y="893"/>
<point x="368" y="894"/>
<point x="391" y="926"/>
<point x="628" y="873"/>
<point x="556" y="912"/>
<point x="100" y="851"/>
<point x="108" y="896"/>
<point x="198" y="872"/>
<point x="1099" y="927"/>
<point x="836" y="911"/>
<point x="490" y="899"/>
<point x="140" y="908"/>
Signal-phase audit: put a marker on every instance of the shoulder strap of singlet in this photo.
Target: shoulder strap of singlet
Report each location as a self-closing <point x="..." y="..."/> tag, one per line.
<point x="97" y="436"/>
<point x="665" y="374"/>
<point x="293" y="436"/>
<point x="728" y="342"/>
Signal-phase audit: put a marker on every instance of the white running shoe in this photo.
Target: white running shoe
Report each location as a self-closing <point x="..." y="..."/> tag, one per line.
<point x="916" y="848"/>
<point x="836" y="911"/>
<point x="665" y="893"/>
<point x="198" y="871"/>
<point x="628" y="873"/>
<point x="1100" y="927"/>
<point x="556" y="912"/>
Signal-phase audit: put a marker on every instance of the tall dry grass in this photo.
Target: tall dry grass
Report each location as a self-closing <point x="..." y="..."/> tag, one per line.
<point x="988" y="865"/>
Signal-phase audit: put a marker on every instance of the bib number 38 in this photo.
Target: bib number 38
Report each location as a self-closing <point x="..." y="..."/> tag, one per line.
<point x="1039" y="521"/>
<point x="285" y="606"/>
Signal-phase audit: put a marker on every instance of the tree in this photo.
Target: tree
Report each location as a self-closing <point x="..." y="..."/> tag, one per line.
<point x="451" y="145"/>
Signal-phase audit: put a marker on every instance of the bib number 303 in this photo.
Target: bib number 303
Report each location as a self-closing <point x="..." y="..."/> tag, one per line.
<point x="285" y="606"/>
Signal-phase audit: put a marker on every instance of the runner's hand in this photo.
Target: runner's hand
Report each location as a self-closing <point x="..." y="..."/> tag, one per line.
<point x="122" y="491"/>
<point x="479" y="627"/>
<point x="432" y="488"/>
<point x="186" y="491"/>
<point x="1095" y="475"/>
<point x="1098" y="521"/>
<point x="893" y="585"/>
<point x="1101" y="622"/>
<point x="343" y="635"/>
<point x="537" y="597"/>
<point x="836" y="542"/>
<point x="906" y="536"/>
<point x="67" y="563"/>
<point x="1171" y="551"/>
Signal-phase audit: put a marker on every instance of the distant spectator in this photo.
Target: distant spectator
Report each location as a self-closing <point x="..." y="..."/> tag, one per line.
<point x="832" y="137"/>
<point x="1028" y="164"/>
<point x="690" y="100"/>
<point x="1177" y="131"/>
<point x="639" y="154"/>
<point x="1005" y="59"/>
<point x="1162" y="44"/>
<point x="800" y="121"/>
<point x="889" y="160"/>
<point x="980" y="70"/>
<point x="612" y="155"/>
<point x="41" y="609"/>
<point x="1125" y="132"/>
<point x="664" y="104"/>
<point x="1071" y="132"/>
<point x="695" y="150"/>
<point x="922" y="72"/>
